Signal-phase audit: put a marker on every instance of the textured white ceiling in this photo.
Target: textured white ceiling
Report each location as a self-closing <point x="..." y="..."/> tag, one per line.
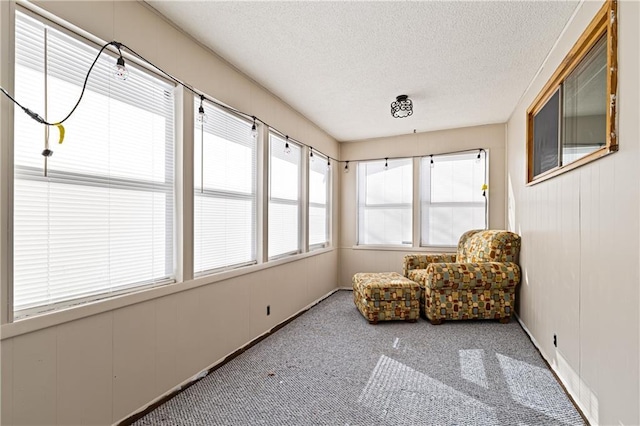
<point x="341" y="64"/>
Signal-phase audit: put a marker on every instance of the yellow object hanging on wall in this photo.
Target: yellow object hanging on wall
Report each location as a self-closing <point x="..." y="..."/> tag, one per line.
<point x="61" y="130"/>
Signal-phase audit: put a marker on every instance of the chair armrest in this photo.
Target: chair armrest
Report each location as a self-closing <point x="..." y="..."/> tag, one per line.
<point x="488" y="275"/>
<point x="421" y="261"/>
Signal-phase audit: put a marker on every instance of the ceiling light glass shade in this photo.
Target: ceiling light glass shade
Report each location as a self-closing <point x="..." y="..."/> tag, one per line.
<point x="401" y="107"/>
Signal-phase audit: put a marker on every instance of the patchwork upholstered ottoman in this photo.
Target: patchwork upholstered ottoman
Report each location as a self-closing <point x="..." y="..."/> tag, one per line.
<point x="386" y="296"/>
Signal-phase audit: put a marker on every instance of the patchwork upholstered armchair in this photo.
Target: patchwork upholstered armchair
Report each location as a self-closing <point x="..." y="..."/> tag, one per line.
<point x="478" y="281"/>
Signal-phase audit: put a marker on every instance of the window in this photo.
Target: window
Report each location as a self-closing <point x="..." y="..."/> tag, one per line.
<point x="284" y="196"/>
<point x="101" y="221"/>
<point x="385" y="194"/>
<point x="319" y="178"/>
<point x="572" y="121"/>
<point x="225" y="191"/>
<point x="451" y="197"/>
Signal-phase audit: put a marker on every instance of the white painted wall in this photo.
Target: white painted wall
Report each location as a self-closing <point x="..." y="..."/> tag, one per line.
<point x="580" y="245"/>
<point x="355" y="259"/>
<point x="99" y="363"/>
<point x="101" y="368"/>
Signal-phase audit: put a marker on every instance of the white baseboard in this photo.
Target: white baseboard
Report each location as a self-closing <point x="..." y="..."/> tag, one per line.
<point x="553" y="366"/>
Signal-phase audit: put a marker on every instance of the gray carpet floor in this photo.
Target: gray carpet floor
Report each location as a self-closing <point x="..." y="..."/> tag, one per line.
<point x="331" y="367"/>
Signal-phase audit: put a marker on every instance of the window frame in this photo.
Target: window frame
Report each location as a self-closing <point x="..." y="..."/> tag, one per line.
<point x="88" y="180"/>
<point x="299" y="202"/>
<point x="199" y="191"/>
<point x="425" y="186"/>
<point x="327" y="205"/>
<point x="360" y="205"/>
<point x="605" y="23"/>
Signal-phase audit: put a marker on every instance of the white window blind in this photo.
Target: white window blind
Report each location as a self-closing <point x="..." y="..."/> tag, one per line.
<point x="385" y="199"/>
<point x="319" y="177"/>
<point x="451" y="197"/>
<point x="101" y="221"/>
<point x="284" y="197"/>
<point x="225" y="191"/>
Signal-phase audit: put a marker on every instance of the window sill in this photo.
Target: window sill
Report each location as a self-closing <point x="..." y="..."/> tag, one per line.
<point x="595" y="155"/>
<point x="431" y="249"/>
<point x="54" y="318"/>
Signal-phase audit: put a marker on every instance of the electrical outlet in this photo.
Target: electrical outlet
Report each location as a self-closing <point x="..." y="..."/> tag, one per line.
<point x="268" y="309"/>
<point x="555" y="340"/>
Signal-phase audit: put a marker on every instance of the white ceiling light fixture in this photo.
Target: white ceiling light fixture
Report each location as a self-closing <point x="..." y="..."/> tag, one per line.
<point x="402" y="107"/>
